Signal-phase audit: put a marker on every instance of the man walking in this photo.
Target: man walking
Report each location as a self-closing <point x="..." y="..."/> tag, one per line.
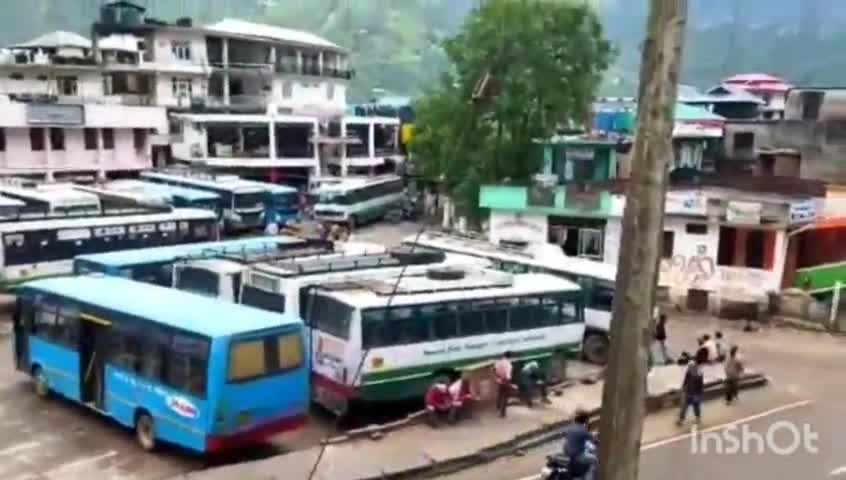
<point x="693" y="389"/>
<point x="661" y="338"/>
<point x="734" y="370"/>
<point x="502" y="372"/>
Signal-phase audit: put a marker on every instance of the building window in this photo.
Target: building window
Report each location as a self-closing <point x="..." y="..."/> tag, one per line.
<point x="744" y="141"/>
<point x="67" y="86"/>
<point x="835" y="132"/>
<point x="139" y="138"/>
<point x="181" y="50"/>
<point x="108" y="139"/>
<point x="57" y="139"/>
<point x="748" y="248"/>
<point x="2" y="140"/>
<point x="667" y="241"/>
<point x="42" y="78"/>
<point x="90" y="138"/>
<point x="696" y="228"/>
<point x="36" y="139"/>
<point x="16" y="76"/>
<point x="287" y="89"/>
<point x="181" y="87"/>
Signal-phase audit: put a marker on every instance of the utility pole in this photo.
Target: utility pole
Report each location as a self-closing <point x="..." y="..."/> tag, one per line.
<point x="624" y="394"/>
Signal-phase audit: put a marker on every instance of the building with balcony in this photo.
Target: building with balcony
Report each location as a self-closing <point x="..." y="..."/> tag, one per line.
<point x="369" y="145"/>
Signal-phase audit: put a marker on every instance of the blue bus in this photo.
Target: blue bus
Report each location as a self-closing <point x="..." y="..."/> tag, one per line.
<point x="155" y="265"/>
<point x="282" y="205"/>
<point x="183" y="369"/>
<point x="242" y="203"/>
<point x="179" y="197"/>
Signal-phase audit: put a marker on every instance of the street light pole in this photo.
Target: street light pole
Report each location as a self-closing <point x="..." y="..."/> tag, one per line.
<point x="624" y="393"/>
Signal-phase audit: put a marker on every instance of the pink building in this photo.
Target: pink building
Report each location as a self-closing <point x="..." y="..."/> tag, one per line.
<point x="772" y="90"/>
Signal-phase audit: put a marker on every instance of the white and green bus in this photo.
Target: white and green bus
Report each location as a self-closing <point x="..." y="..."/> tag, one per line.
<point x="358" y="200"/>
<point x="597" y="279"/>
<point x="371" y="345"/>
<point x="286" y="286"/>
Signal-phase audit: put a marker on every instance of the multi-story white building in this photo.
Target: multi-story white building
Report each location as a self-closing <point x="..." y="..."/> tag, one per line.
<point x="257" y="100"/>
<point x="56" y="119"/>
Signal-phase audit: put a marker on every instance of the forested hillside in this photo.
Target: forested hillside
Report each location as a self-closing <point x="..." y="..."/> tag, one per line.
<point x="395" y="44"/>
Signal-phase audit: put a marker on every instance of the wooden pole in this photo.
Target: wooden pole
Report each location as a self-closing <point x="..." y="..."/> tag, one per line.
<point x="624" y="394"/>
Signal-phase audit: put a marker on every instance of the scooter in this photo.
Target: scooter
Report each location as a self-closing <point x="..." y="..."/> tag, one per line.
<point x="558" y="466"/>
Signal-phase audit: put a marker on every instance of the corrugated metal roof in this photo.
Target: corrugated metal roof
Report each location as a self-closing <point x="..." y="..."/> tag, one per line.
<point x="270" y="32"/>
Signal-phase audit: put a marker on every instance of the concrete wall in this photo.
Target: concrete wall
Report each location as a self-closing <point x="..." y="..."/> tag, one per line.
<point x="89" y="83"/>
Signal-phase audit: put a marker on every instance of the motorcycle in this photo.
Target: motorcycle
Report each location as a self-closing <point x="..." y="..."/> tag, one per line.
<point x="558" y="466"/>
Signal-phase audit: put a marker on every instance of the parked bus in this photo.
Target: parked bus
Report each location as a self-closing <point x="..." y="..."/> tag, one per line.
<point x="35" y="248"/>
<point x="242" y="203"/>
<point x="177" y="368"/>
<point x="222" y="275"/>
<point x="155" y="265"/>
<point x="597" y="279"/>
<point x="53" y="200"/>
<point x="438" y="324"/>
<point x="285" y="286"/>
<point x="10" y="208"/>
<point x="179" y="197"/>
<point x="282" y="204"/>
<point x="358" y="200"/>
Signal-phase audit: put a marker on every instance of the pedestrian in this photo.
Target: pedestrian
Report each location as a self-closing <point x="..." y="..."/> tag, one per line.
<point x="503" y="369"/>
<point x="734" y="370"/>
<point x="661" y="338"/>
<point x="463" y="396"/>
<point x="692" y="389"/>
<point x="711" y="345"/>
<point x="530" y="381"/>
<point x="702" y="352"/>
<point x="719" y="346"/>
<point x="271" y="229"/>
<point x="439" y="408"/>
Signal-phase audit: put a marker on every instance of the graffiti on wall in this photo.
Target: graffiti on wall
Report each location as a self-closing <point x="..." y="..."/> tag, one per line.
<point x="693" y="271"/>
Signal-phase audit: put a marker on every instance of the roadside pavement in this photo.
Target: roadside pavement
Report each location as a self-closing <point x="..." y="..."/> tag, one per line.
<point x="418" y="447"/>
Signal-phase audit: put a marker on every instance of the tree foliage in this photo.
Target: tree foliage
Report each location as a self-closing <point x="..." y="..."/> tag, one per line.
<point x="518" y="69"/>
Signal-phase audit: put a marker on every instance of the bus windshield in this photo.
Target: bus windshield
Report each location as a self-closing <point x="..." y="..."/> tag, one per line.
<point x="197" y="280"/>
<point x="258" y="357"/>
<point x="285" y="200"/>
<point x="249" y="200"/>
<point x="256" y="297"/>
<point x="338" y="198"/>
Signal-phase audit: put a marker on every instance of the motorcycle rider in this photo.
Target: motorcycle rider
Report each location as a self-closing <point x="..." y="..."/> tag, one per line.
<point x="583" y="461"/>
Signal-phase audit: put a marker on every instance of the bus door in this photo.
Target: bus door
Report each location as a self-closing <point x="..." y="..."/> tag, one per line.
<point x="93" y="340"/>
<point x="22" y="322"/>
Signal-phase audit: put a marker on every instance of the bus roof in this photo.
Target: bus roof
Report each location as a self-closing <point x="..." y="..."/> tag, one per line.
<point x="231" y="185"/>
<point x="182" y="310"/>
<point x="352" y="183"/>
<point x="189" y="194"/>
<point x="375" y="291"/>
<point x="126" y="258"/>
<point x="273" y="188"/>
<point x="546" y="256"/>
<point x="176" y="214"/>
<point x="62" y="194"/>
<point x="11" y="202"/>
<point x="219" y="265"/>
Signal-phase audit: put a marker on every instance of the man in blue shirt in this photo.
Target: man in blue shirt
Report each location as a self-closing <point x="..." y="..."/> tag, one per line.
<point x="583" y="461"/>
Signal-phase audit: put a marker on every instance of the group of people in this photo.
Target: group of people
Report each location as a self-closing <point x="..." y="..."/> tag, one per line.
<point x="710" y="350"/>
<point x="447" y="400"/>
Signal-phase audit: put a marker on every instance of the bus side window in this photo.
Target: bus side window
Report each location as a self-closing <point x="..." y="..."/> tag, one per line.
<point x="155" y="344"/>
<point x="527" y="315"/>
<point x="443" y="318"/>
<point x="602" y="298"/>
<point x="125" y="346"/>
<point x="187" y="363"/>
<point x="472" y="319"/>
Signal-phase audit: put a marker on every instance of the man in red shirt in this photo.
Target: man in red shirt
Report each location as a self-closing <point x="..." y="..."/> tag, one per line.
<point x="439" y="405"/>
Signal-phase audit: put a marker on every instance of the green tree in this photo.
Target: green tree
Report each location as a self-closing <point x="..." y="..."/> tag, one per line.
<point x="518" y="69"/>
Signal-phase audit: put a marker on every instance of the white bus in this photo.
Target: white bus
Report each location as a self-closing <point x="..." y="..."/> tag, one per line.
<point x="285" y="286"/>
<point x="358" y="200"/>
<point x="242" y="203"/>
<point x="53" y="200"/>
<point x="597" y="279"/>
<point x="436" y="325"/>
<point x="222" y="275"/>
<point x="32" y="248"/>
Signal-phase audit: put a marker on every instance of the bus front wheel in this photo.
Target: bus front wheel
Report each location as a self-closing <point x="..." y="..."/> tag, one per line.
<point x="595" y="348"/>
<point x="145" y="431"/>
<point x="39" y="382"/>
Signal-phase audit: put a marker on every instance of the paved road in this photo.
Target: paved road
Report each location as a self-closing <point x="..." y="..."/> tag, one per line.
<point x="808" y="388"/>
